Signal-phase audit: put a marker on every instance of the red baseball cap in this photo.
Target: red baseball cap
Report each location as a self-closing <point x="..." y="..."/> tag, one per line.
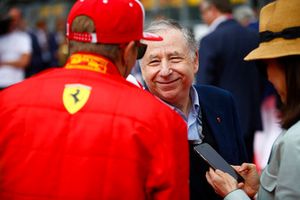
<point x="116" y="21"/>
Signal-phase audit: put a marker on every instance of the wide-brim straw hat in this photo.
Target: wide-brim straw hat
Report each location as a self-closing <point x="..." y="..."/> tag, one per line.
<point x="278" y="20"/>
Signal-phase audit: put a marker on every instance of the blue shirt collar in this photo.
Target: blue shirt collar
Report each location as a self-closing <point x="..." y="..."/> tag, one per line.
<point x="194" y="128"/>
<point x="195" y="105"/>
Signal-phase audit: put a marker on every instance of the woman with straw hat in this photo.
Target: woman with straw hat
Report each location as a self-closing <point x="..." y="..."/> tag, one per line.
<point x="279" y="49"/>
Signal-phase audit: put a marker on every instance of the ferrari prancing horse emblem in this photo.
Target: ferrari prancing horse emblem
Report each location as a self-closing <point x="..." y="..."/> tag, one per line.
<point x="75" y="96"/>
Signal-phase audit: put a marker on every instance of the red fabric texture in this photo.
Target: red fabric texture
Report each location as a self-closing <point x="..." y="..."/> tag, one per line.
<point x="122" y="144"/>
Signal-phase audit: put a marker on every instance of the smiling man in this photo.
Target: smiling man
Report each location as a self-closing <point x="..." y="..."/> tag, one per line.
<point x="168" y="68"/>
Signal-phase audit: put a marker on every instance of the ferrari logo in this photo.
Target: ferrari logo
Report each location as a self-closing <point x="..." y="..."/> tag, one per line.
<point x="75" y="96"/>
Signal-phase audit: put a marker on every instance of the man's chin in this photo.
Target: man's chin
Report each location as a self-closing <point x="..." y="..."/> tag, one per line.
<point x="169" y="98"/>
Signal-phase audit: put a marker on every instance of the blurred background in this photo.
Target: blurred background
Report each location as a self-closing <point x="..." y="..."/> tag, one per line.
<point x="42" y="17"/>
<point x="186" y="11"/>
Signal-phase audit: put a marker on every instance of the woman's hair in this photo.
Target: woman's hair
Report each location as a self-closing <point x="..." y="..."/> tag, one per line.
<point x="85" y="24"/>
<point x="291" y="109"/>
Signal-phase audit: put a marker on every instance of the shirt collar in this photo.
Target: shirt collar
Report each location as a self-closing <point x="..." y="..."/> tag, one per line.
<point x="195" y="99"/>
<point x="91" y="62"/>
<point x="216" y="23"/>
<point x="195" y="105"/>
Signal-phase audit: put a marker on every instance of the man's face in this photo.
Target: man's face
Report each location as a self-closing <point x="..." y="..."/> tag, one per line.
<point x="168" y="67"/>
<point x="206" y="11"/>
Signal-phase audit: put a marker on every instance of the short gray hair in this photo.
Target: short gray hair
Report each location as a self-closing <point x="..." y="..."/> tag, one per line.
<point x="164" y="24"/>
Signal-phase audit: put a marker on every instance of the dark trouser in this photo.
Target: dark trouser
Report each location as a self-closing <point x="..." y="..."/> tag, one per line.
<point x="249" y="142"/>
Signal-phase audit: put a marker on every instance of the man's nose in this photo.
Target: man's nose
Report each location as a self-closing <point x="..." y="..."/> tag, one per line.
<point x="165" y="69"/>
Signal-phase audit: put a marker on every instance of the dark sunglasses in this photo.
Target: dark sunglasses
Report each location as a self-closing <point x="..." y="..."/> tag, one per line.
<point x="140" y="46"/>
<point x="141" y="49"/>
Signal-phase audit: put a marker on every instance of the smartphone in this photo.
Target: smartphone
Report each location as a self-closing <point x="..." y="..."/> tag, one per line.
<point x="215" y="160"/>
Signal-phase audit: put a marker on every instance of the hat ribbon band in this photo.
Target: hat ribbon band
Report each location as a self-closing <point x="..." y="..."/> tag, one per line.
<point x="288" y="33"/>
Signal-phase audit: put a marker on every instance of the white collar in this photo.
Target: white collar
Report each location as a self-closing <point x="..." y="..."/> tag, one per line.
<point x="216" y="23"/>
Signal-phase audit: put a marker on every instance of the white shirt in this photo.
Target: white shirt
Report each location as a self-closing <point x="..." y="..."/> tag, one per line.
<point x="130" y="78"/>
<point x="12" y="46"/>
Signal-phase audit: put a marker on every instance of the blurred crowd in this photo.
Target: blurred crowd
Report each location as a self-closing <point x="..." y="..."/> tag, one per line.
<point x="28" y="50"/>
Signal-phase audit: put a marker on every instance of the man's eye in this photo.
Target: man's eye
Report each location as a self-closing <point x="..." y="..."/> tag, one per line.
<point x="154" y="62"/>
<point x="176" y="59"/>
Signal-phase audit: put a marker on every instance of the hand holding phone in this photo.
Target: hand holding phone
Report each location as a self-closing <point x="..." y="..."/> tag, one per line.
<point x="214" y="159"/>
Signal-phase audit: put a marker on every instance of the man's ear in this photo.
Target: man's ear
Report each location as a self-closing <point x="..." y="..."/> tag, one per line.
<point x="196" y="62"/>
<point x="129" y="57"/>
<point x="68" y="45"/>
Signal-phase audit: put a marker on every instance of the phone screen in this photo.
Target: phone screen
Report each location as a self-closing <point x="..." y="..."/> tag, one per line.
<point x="214" y="159"/>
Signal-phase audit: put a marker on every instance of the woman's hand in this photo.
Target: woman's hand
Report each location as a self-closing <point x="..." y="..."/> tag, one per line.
<point x="249" y="173"/>
<point x="221" y="182"/>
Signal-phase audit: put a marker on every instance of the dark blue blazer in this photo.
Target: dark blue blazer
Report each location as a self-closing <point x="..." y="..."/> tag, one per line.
<point x="221" y="64"/>
<point x="221" y="129"/>
<point x="219" y="111"/>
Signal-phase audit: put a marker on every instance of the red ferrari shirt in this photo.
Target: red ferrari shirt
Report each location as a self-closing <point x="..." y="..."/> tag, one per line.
<point x="83" y="132"/>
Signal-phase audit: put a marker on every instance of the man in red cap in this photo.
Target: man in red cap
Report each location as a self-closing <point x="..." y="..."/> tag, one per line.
<point x="83" y="132"/>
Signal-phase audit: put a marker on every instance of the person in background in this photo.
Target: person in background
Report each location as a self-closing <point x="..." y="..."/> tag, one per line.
<point x="62" y="52"/>
<point x="279" y="49"/>
<point x="263" y="139"/>
<point x="15" y="51"/>
<point x="47" y="43"/>
<point x="44" y="49"/>
<point x="221" y="64"/>
<point x="246" y="16"/>
<point x="82" y="131"/>
<point x="168" y="68"/>
<point x="36" y="62"/>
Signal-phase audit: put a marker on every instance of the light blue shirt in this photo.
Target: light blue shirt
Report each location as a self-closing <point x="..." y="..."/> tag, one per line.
<point x="193" y="121"/>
